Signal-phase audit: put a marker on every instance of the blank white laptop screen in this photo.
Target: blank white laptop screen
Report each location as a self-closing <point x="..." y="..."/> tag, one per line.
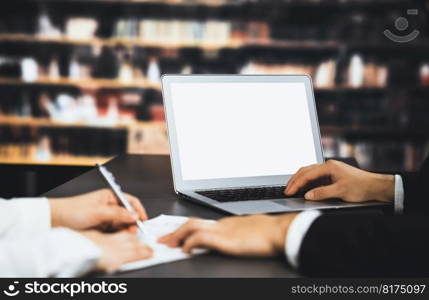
<point x="229" y="130"/>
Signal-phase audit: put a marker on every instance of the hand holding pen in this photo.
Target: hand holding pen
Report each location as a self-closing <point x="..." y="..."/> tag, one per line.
<point x="108" y="176"/>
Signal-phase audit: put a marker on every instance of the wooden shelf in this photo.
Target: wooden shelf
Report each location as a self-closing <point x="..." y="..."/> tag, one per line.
<point x="209" y="3"/>
<point x="235" y="44"/>
<point x="87" y="83"/>
<point x="326" y="129"/>
<point x="116" y="84"/>
<point x="69" y="160"/>
<point x="56" y="161"/>
<point x="349" y="89"/>
<point x="43" y="122"/>
<point x="217" y="3"/>
<point x="130" y="42"/>
<point x="133" y="42"/>
<point x="375" y="132"/>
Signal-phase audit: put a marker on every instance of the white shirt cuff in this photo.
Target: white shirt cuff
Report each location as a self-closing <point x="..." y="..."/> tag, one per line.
<point x="296" y="233"/>
<point x="59" y="252"/>
<point x="34" y="215"/>
<point x="399" y="195"/>
<point x="78" y="254"/>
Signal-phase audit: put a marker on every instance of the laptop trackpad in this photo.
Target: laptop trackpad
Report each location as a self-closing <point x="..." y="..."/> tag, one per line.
<point x="252" y="207"/>
<point x="302" y="204"/>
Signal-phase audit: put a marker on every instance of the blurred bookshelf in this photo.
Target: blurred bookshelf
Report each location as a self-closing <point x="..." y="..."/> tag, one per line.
<point x="57" y="160"/>
<point x="80" y="80"/>
<point x="87" y="83"/>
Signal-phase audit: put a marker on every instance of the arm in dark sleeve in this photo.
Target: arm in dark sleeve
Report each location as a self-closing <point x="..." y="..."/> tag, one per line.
<point x="416" y="185"/>
<point x="362" y="245"/>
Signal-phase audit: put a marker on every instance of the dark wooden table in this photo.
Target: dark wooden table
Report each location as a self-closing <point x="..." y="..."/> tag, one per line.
<point x="149" y="178"/>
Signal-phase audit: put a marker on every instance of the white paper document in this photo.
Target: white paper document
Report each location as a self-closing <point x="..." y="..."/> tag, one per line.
<point x="154" y="229"/>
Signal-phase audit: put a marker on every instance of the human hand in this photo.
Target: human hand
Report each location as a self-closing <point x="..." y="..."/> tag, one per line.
<point x="99" y="209"/>
<point x="347" y="183"/>
<point x="257" y="235"/>
<point x="117" y="249"/>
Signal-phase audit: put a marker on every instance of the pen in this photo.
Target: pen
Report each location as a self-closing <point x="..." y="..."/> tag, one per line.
<point x="108" y="176"/>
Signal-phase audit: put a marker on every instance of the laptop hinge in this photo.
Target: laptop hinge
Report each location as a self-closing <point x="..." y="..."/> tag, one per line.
<point x="240" y="187"/>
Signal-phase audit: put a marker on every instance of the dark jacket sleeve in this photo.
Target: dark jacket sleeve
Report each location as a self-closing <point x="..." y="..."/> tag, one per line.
<point x="416" y="186"/>
<point x="362" y="245"/>
<point x="366" y="245"/>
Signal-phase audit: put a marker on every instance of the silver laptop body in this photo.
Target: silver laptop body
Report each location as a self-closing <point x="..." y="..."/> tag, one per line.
<point x="242" y="131"/>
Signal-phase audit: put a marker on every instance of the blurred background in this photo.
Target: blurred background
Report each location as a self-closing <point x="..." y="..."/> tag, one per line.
<point x="80" y="80"/>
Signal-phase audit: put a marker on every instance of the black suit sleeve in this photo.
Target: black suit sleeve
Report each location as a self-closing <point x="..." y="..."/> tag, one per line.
<point x="362" y="245"/>
<point x="416" y="186"/>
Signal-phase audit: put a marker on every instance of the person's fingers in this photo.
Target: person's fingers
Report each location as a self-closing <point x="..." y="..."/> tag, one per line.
<point x="140" y="251"/>
<point x="115" y="215"/>
<point x="175" y="238"/>
<point x="138" y="207"/>
<point x="297" y="175"/>
<point x="133" y="249"/>
<point x="111" y="199"/>
<point x="307" y="176"/>
<point x="132" y="229"/>
<point x="324" y="192"/>
<point x="118" y="248"/>
<point x="122" y="236"/>
<point x="107" y="196"/>
<point x="202" y="239"/>
<point x="292" y="179"/>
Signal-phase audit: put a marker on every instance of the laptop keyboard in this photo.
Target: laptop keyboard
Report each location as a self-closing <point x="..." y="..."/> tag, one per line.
<point x="246" y="194"/>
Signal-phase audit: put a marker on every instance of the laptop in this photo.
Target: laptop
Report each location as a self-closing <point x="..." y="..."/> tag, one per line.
<point x="236" y="140"/>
